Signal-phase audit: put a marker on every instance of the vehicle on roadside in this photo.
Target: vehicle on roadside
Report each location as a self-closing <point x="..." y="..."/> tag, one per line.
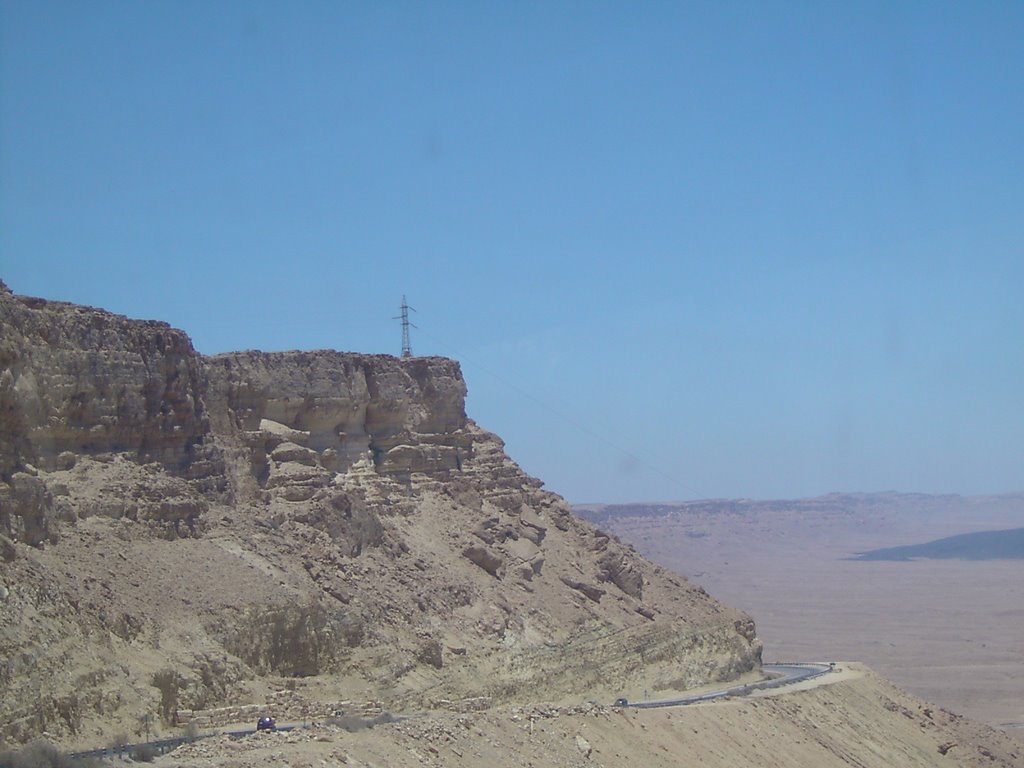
<point x="621" y="702"/>
<point x="266" y="723"/>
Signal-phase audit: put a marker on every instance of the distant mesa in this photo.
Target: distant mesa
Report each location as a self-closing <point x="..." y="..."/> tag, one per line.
<point x="981" y="545"/>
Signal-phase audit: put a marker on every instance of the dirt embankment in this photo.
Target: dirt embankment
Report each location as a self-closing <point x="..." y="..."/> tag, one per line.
<point x="854" y="719"/>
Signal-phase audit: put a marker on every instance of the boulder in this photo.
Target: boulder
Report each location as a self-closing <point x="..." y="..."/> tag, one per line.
<point x="591" y="591"/>
<point x="620" y="571"/>
<point x="289" y="451"/>
<point x="486" y="559"/>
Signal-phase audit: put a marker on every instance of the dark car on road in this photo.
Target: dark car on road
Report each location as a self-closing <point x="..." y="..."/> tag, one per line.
<point x="266" y="724"/>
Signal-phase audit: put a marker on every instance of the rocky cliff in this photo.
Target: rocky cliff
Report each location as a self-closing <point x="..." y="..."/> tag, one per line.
<point x="181" y="532"/>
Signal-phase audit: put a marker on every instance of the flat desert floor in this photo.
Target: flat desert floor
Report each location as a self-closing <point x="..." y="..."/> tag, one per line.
<point x="949" y="631"/>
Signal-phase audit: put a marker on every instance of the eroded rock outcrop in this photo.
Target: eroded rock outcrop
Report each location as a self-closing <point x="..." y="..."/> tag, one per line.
<point x="305" y="514"/>
<point x="404" y="416"/>
<point x="80" y="382"/>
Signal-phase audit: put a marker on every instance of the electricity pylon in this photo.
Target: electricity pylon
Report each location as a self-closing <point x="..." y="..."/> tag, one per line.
<point x="404" y="317"/>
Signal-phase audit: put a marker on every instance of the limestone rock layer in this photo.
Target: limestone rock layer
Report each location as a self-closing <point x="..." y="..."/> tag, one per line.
<point x="182" y="532"/>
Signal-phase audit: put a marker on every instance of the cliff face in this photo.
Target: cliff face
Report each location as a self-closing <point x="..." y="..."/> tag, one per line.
<point x="179" y="532"/>
<point x="403" y="415"/>
<point x="81" y="381"/>
<point x="77" y="382"/>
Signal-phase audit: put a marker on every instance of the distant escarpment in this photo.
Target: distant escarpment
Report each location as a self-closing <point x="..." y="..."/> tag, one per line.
<point x="180" y="533"/>
<point x="978" y="545"/>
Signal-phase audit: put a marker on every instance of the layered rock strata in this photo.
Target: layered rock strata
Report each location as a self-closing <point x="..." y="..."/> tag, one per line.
<point x="182" y="532"/>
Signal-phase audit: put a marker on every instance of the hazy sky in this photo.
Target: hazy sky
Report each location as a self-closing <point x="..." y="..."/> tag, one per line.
<point x="682" y="249"/>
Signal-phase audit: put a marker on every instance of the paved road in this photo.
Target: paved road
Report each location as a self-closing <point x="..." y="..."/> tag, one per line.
<point x="783" y="674"/>
<point x="134" y="752"/>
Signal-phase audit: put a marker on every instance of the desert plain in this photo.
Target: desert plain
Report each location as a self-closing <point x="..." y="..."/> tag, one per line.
<point x="949" y="631"/>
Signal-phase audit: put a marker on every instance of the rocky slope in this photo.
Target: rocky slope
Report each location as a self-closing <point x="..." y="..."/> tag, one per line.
<point x="853" y="719"/>
<point x="180" y="533"/>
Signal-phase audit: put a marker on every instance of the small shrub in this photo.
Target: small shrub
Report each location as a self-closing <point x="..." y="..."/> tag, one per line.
<point x="144" y="754"/>
<point x="119" y="740"/>
<point x="168" y="682"/>
<point x="41" y="754"/>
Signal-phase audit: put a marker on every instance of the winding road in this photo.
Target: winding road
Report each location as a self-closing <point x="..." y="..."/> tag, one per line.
<point x="786" y="674"/>
<point x="783" y="674"/>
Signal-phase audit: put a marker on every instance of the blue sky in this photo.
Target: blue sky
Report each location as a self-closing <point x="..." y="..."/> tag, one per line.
<point x="686" y="249"/>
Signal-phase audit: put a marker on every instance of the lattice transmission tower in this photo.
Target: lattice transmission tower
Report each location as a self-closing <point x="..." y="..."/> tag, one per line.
<point x="404" y="317"/>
